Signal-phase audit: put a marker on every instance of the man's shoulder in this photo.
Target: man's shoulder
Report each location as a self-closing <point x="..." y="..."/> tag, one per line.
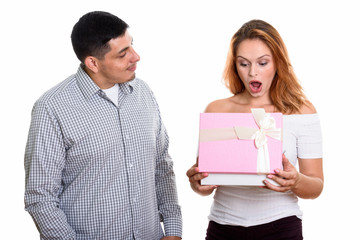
<point x="143" y="87"/>
<point x="59" y="89"/>
<point x="141" y="83"/>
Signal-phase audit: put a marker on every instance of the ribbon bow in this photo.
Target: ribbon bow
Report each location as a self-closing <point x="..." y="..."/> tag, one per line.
<point x="267" y="127"/>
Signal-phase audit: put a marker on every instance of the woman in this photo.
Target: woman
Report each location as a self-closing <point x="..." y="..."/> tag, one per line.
<point x="259" y="74"/>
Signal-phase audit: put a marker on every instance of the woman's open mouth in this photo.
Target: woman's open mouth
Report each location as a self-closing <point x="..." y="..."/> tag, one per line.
<point x="255" y="86"/>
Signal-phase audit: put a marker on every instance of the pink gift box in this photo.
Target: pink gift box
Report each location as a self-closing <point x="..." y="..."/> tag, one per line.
<point x="235" y="159"/>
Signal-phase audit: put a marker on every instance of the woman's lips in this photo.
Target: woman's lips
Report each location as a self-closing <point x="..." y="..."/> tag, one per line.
<point x="255" y="86"/>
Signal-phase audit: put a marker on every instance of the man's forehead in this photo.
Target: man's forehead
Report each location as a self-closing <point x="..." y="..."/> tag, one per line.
<point x="121" y="41"/>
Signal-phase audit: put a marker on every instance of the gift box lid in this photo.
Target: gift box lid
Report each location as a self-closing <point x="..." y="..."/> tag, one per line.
<point x="221" y="150"/>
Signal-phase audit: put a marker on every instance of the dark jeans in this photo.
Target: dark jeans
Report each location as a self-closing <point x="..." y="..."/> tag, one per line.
<point x="289" y="228"/>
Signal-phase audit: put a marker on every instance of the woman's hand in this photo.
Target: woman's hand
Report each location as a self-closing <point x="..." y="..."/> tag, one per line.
<point x="288" y="178"/>
<point x="308" y="183"/>
<point x="194" y="178"/>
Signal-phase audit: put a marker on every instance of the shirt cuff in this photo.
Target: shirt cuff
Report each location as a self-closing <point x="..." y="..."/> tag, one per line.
<point x="173" y="227"/>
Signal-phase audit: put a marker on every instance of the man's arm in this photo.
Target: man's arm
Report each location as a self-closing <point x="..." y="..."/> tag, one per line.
<point x="44" y="162"/>
<point x="166" y="187"/>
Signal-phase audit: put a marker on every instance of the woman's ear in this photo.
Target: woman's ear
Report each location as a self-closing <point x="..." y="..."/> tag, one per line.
<point x="91" y="63"/>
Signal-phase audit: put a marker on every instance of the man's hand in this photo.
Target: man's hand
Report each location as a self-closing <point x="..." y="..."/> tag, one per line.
<point x="171" y="238"/>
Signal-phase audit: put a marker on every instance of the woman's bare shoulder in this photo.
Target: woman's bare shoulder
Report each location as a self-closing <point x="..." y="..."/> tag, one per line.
<point x="307" y="108"/>
<point x="219" y="105"/>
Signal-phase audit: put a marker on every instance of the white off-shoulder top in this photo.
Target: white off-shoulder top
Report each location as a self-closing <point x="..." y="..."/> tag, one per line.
<point x="249" y="206"/>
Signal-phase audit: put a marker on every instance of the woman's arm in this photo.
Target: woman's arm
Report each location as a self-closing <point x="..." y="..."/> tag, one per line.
<point x="307" y="183"/>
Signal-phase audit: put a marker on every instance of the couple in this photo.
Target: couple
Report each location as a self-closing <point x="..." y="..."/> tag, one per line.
<point x="97" y="163"/>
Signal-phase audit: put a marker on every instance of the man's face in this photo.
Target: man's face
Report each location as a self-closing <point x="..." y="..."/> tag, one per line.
<point x="119" y="64"/>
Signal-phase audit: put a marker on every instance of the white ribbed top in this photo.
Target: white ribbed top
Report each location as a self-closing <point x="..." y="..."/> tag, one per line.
<point x="249" y="206"/>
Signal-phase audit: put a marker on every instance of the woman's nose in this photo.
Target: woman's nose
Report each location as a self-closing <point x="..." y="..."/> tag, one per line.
<point x="252" y="70"/>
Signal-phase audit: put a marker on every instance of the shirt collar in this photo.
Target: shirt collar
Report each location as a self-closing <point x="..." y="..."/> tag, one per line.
<point x="127" y="87"/>
<point x="89" y="88"/>
<point x="86" y="84"/>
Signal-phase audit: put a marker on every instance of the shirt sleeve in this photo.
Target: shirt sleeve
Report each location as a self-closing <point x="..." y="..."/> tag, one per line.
<point x="44" y="162"/>
<point x="166" y="191"/>
<point x="309" y="140"/>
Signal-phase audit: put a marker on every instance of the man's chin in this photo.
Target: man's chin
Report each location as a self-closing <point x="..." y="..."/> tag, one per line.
<point x="132" y="77"/>
<point x="129" y="79"/>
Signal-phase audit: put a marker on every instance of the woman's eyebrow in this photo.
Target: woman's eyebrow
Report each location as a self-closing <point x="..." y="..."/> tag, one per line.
<point x="265" y="55"/>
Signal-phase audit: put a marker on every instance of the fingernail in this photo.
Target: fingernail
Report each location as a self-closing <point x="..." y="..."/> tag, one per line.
<point x="269" y="176"/>
<point x="277" y="170"/>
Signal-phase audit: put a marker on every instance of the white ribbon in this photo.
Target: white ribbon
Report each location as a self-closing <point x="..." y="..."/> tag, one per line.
<point x="267" y="127"/>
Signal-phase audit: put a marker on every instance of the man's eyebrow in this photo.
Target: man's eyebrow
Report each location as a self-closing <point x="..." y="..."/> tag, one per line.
<point x="125" y="48"/>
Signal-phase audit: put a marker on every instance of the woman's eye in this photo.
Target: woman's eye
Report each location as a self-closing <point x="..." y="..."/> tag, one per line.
<point x="244" y="64"/>
<point x="263" y="63"/>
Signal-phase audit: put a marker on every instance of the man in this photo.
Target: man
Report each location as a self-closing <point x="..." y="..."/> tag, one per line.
<point x="96" y="160"/>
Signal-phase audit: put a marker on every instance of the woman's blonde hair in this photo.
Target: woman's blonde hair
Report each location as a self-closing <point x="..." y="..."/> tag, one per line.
<point x="286" y="92"/>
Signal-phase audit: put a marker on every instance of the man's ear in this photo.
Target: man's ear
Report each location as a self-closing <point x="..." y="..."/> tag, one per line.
<point x="91" y="63"/>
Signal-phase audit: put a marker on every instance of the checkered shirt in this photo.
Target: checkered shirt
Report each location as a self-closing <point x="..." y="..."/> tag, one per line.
<point x="95" y="170"/>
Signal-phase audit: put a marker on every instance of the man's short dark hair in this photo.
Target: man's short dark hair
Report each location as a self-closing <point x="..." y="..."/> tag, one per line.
<point x="93" y="31"/>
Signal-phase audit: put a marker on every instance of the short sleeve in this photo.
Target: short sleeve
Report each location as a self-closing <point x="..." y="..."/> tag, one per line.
<point x="309" y="137"/>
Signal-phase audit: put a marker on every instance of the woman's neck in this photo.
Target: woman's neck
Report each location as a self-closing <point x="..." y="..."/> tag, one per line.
<point x="245" y="98"/>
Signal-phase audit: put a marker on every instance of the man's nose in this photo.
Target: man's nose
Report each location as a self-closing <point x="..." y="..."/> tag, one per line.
<point x="134" y="56"/>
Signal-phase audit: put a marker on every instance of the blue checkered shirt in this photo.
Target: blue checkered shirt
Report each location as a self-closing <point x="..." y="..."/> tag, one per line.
<point x="95" y="170"/>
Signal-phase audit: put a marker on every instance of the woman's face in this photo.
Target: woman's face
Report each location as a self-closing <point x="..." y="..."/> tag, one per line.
<point x="255" y="66"/>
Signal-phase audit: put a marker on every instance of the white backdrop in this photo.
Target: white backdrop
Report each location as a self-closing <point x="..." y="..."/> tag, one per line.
<point x="183" y="45"/>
